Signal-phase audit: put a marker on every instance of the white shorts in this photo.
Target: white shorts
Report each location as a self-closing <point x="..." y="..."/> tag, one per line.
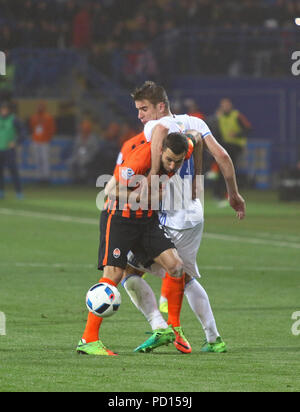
<point x="187" y="242"/>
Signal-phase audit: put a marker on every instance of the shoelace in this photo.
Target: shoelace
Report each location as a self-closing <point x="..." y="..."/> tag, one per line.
<point x="100" y="344"/>
<point x="156" y="334"/>
<point x="180" y="332"/>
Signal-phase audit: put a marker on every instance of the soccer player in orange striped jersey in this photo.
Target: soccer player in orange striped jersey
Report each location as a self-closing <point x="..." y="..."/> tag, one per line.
<point x="123" y="230"/>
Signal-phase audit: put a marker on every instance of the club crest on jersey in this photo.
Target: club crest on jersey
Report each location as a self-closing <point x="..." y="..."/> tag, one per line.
<point x="116" y="253"/>
<point x="181" y="126"/>
<point x="127" y="173"/>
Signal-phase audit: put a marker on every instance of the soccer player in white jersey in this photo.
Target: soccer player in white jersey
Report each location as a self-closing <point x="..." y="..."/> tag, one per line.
<point x="185" y="227"/>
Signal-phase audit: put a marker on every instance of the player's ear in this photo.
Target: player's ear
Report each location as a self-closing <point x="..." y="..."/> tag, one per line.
<point x="161" y="107"/>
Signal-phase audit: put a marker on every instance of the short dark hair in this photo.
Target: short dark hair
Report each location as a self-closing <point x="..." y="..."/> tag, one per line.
<point x="177" y="142"/>
<point x="152" y="92"/>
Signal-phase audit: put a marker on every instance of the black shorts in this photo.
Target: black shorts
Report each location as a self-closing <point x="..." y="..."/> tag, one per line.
<point x="119" y="235"/>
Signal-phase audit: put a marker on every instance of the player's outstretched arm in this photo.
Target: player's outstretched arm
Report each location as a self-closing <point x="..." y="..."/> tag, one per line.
<point x="226" y="166"/>
<point x="197" y="156"/>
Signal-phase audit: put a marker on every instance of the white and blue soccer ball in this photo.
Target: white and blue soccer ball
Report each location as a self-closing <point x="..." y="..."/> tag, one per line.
<point x="103" y="300"/>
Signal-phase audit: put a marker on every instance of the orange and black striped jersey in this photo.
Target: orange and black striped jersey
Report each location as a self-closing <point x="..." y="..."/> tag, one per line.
<point x="138" y="162"/>
<point x="135" y="160"/>
<point x="128" y="147"/>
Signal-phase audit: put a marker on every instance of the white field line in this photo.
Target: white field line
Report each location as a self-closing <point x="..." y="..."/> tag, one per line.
<point x="253" y="241"/>
<point x="50" y="265"/>
<point x="94" y="266"/>
<point x="277" y="236"/>
<point x="89" y="221"/>
<point x="48" y="216"/>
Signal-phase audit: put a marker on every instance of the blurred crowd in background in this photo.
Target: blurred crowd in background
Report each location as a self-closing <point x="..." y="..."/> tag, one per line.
<point x="81" y="24"/>
<point x="94" y="150"/>
<point x="127" y="42"/>
<point x="146" y="37"/>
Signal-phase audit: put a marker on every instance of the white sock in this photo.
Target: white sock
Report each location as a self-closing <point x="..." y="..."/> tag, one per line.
<point x="199" y="303"/>
<point x="142" y="296"/>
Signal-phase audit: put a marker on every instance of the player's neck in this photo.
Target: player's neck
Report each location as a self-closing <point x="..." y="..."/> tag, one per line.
<point x="166" y="114"/>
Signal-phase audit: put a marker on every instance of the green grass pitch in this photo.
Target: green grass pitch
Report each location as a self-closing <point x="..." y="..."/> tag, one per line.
<point x="48" y="257"/>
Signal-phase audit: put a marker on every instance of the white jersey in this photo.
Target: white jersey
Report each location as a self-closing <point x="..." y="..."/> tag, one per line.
<point x="190" y="212"/>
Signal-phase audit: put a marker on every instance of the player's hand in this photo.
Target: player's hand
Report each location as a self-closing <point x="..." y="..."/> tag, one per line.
<point x="237" y="202"/>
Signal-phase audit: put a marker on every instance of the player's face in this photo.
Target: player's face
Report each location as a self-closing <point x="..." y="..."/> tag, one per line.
<point x="171" y="162"/>
<point x="226" y="106"/>
<point x="148" y="111"/>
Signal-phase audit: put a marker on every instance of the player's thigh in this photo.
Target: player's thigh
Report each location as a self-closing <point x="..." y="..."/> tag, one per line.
<point x="187" y="242"/>
<point x="155" y="239"/>
<point x="117" y="237"/>
<point x="139" y="264"/>
<point x="160" y="247"/>
<point x="171" y="262"/>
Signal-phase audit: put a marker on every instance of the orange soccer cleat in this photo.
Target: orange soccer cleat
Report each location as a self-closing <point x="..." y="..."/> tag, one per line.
<point x="181" y="343"/>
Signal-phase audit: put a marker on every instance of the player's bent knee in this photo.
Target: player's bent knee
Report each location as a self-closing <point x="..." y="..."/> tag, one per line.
<point x="113" y="273"/>
<point x="187" y="278"/>
<point x="171" y="262"/>
<point x="176" y="269"/>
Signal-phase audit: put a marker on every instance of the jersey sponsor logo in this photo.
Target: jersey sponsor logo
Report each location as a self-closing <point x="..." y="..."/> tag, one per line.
<point x="127" y="173"/>
<point x="181" y="126"/>
<point x="116" y="253"/>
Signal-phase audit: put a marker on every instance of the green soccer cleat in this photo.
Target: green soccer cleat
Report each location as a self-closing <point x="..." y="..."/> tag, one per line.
<point x="163" y="307"/>
<point x="93" y="348"/>
<point x="216" y="347"/>
<point x="159" y="337"/>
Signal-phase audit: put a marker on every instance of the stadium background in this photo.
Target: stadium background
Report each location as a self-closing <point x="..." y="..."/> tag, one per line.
<point x="83" y="58"/>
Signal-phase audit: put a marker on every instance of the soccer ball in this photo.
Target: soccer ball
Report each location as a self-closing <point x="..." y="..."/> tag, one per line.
<point x="103" y="300"/>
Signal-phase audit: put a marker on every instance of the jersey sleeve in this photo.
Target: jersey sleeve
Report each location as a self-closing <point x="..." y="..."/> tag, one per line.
<point x="135" y="164"/>
<point x="168" y="122"/>
<point x="119" y="158"/>
<point x="200" y="126"/>
<point x="148" y="129"/>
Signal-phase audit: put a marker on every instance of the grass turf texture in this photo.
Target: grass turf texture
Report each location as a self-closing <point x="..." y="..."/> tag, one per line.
<point x="46" y="267"/>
